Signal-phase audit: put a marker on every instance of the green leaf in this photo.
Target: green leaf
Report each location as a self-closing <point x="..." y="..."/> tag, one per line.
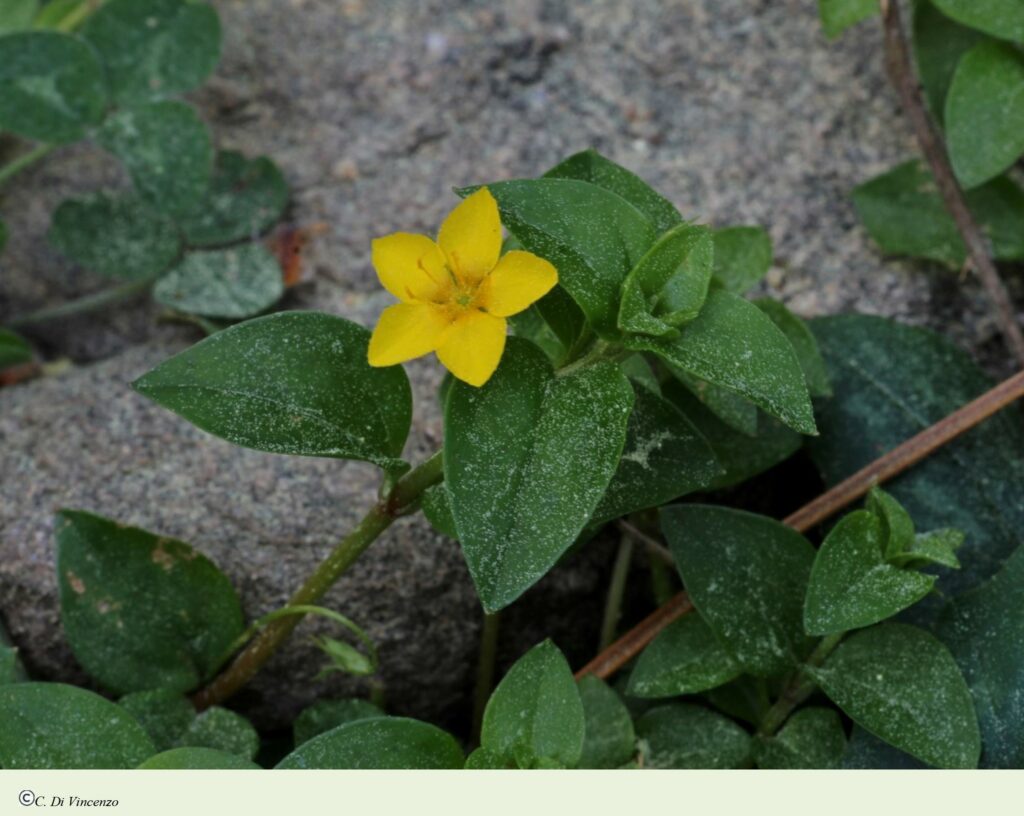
<point x="167" y="152"/>
<point x="437" y="507"/>
<point x="984" y="629"/>
<point x="165" y="714"/>
<point x="812" y="739"/>
<point x="851" y="585"/>
<point x="972" y="484"/>
<point x="743" y="256"/>
<point x="732" y="409"/>
<point x="536" y="712"/>
<point x="512" y="446"/>
<point x="295" y="383"/>
<point x="118" y="237"/>
<point x="592" y="236"/>
<point x="197" y="759"/>
<point x="747" y="575"/>
<point x="324" y="715"/>
<point x="685" y="658"/>
<point x="591" y="166"/>
<point x="11" y="668"/>
<point x="51" y="86"/>
<point x="230" y="283"/>
<point x="985" y="112"/>
<point x="664" y="458"/>
<point x="246" y="197"/>
<point x="1000" y="18"/>
<point x="839" y="15"/>
<point x="741" y="456"/>
<point x="902" y="684"/>
<point x="734" y="344"/>
<point x="484" y="759"/>
<point x="935" y="547"/>
<point x="897" y="526"/>
<point x="222" y="730"/>
<point x="803" y="342"/>
<point x="668" y="285"/>
<point x="17" y="15"/>
<point x="609" y="740"/>
<point x="904" y="214"/>
<point x="865" y="751"/>
<point x="383" y="743"/>
<point x="141" y="611"/>
<point x="50" y="726"/>
<point x="683" y="736"/>
<point x="565" y="319"/>
<point x="938" y="45"/>
<point x="154" y="48"/>
<point x="14" y="349"/>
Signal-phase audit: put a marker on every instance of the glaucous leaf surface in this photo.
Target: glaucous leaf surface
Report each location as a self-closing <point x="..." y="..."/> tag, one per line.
<point x="904" y="214"/>
<point x="527" y="458"/>
<point x="165" y="714"/>
<point x="563" y="317"/>
<point x="394" y="743"/>
<point x="934" y="547"/>
<point x="484" y="759"/>
<point x="747" y="575"/>
<point x="812" y="739"/>
<point x="743" y="256"/>
<point x="664" y="458"/>
<point x="839" y="15"/>
<point x="437" y="507"/>
<point x="683" y="735"/>
<point x="536" y="712"/>
<point x="222" y="730"/>
<point x="684" y="658"/>
<point x="141" y="611"/>
<point x="14" y="349"/>
<point x="902" y="684"/>
<point x="293" y="382"/>
<point x="974" y="484"/>
<point x="592" y="167"/>
<point x="609" y="740"/>
<point x="897" y="527"/>
<point x="985" y="112"/>
<point x="153" y="49"/>
<point x="232" y="283"/>
<point x="51" y="86"/>
<point x="197" y="759"/>
<point x="246" y="197"/>
<point x="733" y="344"/>
<point x="51" y="726"/>
<point x="167" y="151"/>
<point x="851" y="584"/>
<point x="938" y="44"/>
<point x="803" y="342"/>
<point x="984" y="629"/>
<point x="865" y="751"/>
<point x="116" y="237"/>
<point x="1000" y="18"/>
<point x="592" y="236"/>
<point x="732" y="409"/>
<point x="324" y="715"/>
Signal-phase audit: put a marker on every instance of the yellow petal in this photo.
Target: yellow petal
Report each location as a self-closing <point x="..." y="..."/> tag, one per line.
<point x="471" y="236"/>
<point x="404" y="331"/>
<point x="411" y="267"/>
<point x="519" y="279"/>
<point x="472" y="347"/>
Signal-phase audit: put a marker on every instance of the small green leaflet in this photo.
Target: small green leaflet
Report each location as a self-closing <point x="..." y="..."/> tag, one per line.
<point x="609" y="740"/>
<point x="1000" y="18"/>
<point x="222" y="730"/>
<point x="839" y="15"/>
<point x="323" y="715"/>
<point x="743" y="256"/>
<point x="813" y="738"/>
<point x="683" y="735"/>
<point x="165" y="714"/>
<point x="803" y="342"/>
<point x="935" y="547"/>
<point x="897" y="526"/>
<point x="14" y="349"/>
<point x="938" y="43"/>
<point x="293" y="382"/>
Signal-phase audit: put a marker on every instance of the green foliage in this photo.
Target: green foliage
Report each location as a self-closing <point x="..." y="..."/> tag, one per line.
<point x="804" y="345"/>
<point x="153" y="49"/>
<point x="535" y="714"/>
<point x="227" y="283"/>
<point x="141" y="611"/>
<point x="51" y="725"/>
<point x="14" y="349"/>
<point x="382" y="743"/>
<point x="813" y="738"/>
<point x="296" y="383"/>
<point x="197" y="759"/>
<point x="985" y="112"/>
<point x="839" y="15"/>
<point x="743" y="256"/>
<point x="746" y="575"/>
<point x="11" y="668"/>
<point x="511" y="449"/>
<point x="17" y="15"/>
<point x="938" y="43"/>
<point x="1000" y="18"/>
<point x="902" y="684"/>
<point x="222" y="730"/>
<point x="685" y="658"/>
<point x="165" y="714"/>
<point x="609" y="740"/>
<point x="117" y="237"/>
<point x="682" y="735"/>
<point x="324" y="715"/>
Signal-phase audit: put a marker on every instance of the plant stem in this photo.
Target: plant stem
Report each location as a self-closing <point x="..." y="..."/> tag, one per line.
<point x="397" y="502"/>
<point x="798" y="689"/>
<point x="485" y="670"/>
<point x="25" y="160"/>
<point x="828" y="504"/>
<point x="901" y="73"/>
<point x="616" y="590"/>
<point x="88" y="303"/>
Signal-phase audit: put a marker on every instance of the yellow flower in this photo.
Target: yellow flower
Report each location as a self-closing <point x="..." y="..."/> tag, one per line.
<point x="455" y="294"/>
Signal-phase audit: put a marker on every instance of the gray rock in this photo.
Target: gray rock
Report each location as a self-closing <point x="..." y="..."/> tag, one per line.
<point x="84" y="440"/>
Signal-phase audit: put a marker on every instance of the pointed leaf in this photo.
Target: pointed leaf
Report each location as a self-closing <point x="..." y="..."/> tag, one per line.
<point x="743" y="256"/>
<point x="839" y="15"/>
<point x="682" y="736"/>
<point x="897" y="526"/>
<point x="935" y="547"/>
<point x="813" y="738"/>
<point x="609" y="740"/>
<point x="1000" y="18"/>
<point x="803" y="342"/>
<point x="939" y="43"/>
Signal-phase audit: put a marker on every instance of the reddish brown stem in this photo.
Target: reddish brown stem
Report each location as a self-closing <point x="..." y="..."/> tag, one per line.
<point x="828" y="504"/>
